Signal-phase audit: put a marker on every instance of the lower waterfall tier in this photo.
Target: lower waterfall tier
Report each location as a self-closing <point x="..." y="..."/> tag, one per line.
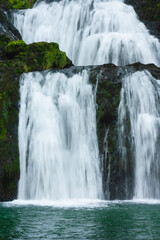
<point x="118" y="174"/>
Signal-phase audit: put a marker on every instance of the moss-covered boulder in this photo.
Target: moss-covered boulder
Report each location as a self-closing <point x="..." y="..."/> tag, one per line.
<point x="17" y="4"/>
<point x="36" y="56"/>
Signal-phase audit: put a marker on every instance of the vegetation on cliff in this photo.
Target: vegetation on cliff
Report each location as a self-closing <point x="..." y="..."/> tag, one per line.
<point x="146" y="9"/>
<point x="150" y="10"/>
<point x="17" y="4"/>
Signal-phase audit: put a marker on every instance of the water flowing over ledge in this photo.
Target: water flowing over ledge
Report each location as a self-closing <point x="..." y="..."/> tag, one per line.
<point x="90" y="32"/>
<point x="59" y="155"/>
<point x="139" y="103"/>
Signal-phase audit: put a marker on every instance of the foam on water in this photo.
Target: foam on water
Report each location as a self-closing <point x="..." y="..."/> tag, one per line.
<point x="75" y="203"/>
<point x="79" y="203"/>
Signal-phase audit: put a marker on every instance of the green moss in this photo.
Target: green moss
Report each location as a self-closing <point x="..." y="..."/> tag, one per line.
<point x="15" y="47"/>
<point x="4" y="105"/>
<point x="4" y="40"/>
<point x="17" y="4"/>
<point x="36" y="56"/>
<point x="55" y="58"/>
<point x="3" y="131"/>
<point x="12" y="169"/>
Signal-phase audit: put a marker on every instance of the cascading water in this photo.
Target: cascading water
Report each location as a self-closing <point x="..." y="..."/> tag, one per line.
<point x="57" y="138"/>
<point x="140" y="96"/>
<point x="90" y="32"/>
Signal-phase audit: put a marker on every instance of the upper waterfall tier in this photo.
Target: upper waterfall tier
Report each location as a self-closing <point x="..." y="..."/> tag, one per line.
<point x="90" y="32"/>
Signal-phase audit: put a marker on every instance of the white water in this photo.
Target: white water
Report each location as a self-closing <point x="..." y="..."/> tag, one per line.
<point x="90" y="32"/>
<point x="57" y="138"/>
<point x="140" y="96"/>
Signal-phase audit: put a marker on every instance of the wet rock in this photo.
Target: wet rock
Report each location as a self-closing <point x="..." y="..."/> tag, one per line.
<point x="7" y="28"/>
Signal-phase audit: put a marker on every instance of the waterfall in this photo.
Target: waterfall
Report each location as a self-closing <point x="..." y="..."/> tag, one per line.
<point x="91" y="32"/>
<point x="57" y="127"/>
<point x="139" y="102"/>
<point x="57" y="138"/>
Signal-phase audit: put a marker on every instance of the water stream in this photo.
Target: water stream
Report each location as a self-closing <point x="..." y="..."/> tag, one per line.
<point x="140" y="96"/>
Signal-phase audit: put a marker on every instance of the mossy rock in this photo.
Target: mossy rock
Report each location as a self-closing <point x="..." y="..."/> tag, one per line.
<point x="34" y="57"/>
<point x="4" y="40"/>
<point x="15" y="47"/>
<point x="47" y="55"/>
<point x="17" y="4"/>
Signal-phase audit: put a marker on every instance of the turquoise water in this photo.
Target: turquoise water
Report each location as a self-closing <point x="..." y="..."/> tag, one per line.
<point x="116" y="220"/>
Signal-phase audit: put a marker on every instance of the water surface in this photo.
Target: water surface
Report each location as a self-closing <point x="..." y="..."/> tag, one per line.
<point x="82" y="220"/>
